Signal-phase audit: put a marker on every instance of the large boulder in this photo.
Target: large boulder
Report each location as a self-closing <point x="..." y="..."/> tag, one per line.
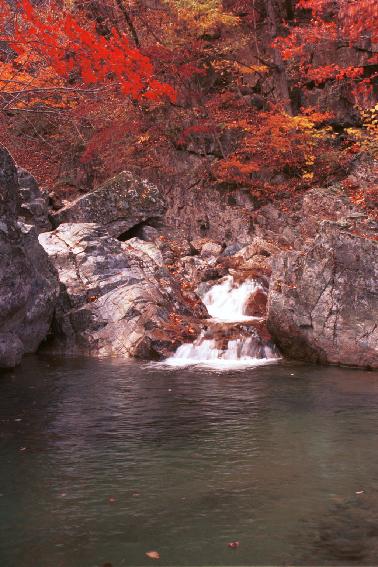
<point x="118" y="299"/>
<point x="120" y="204"/>
<point x="34" y="203"/>
<point x="323" y="300"/>
<point x="28" y="282"/>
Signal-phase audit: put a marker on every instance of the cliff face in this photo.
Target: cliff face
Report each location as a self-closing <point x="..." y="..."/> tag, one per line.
<point x="28" y="283"/>
<point x="323" y="304"/>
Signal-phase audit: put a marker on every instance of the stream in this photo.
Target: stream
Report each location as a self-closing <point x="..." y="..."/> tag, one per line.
<point x="229" y="338"/>
<point x="105" y="460"/>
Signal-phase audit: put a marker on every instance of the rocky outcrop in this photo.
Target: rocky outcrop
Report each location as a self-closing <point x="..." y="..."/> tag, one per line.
<point x="120" y="204"/>
<point x="28" y="282"/>
<point x="292" y="228"/>
<point x="34" y="204"/>
<point x="118" y="299"/>
<point x="323" y="300"/>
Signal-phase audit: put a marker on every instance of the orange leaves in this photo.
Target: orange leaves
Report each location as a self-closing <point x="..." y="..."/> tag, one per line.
<point x="321" y="74"/>
<point x="271" y="143"/>
<point x="153" y="554"/>
<point x="234" y="169"/>
<point x="57" y="42"/>
<point x="337" y="22"/>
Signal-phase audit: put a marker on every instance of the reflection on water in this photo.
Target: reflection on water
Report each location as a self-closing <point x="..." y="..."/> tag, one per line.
<point x="102" y="461"/>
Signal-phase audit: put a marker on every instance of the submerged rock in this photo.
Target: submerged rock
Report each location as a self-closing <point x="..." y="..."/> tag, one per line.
<point x="28" y="282"/>
<point x="118" y="205"/>
<point x="323" y="300"/>
<point x="118" y="299"/>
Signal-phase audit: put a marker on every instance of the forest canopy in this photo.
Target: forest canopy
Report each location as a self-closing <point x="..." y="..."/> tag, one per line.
<point x="273" y="95"/>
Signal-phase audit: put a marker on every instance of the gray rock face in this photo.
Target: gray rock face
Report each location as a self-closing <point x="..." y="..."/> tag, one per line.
<point x="34" y="203"/>
<point x="117" y="296"/>
<point x="120" y="204"/>
<point x="323" y="300"/>
<point x="28" y="282"/>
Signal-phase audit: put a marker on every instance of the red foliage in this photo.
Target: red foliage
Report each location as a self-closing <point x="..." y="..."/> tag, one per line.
<point x="331" y="21"/>
<point x="80" y="55"/>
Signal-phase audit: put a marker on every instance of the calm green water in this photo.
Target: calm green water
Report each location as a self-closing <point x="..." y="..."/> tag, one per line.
<point x="103" y="461"/>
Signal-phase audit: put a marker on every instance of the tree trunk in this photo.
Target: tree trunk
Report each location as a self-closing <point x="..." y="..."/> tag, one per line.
<point x="129" y="22"/>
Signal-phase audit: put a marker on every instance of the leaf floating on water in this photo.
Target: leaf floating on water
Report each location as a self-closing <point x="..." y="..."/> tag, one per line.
<point x="233" y="544"/>
<point x="153" y="554"/>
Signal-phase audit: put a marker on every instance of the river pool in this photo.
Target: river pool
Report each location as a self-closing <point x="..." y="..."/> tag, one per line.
<point x="103" y="461"/>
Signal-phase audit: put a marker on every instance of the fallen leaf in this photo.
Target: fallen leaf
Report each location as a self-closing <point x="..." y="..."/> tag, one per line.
<point x="153" y="554"/>
<point x="233" y="544"/>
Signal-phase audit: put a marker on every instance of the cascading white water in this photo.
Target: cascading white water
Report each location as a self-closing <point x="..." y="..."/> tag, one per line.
<point x="239" y="352"/>
<point x="226" y="303"/>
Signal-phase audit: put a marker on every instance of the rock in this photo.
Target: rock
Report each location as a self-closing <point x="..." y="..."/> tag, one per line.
<point x="211" y="249"/>
<point x="320" y="204"/>
<point x="232" y="249"/>
<point x="206" y="248"/>
<point x="198" y="243"/>
<point x="120" y="204"/>
<point x="256" y="305"/>
<point x="34" y="203"/>
<point x="323" y="300"/>
<point x="272" y="224"/>
<point x="118" y="298"/>
<point x="28" y="283"/>
<point x="256" y="267"/>
<point x="11" y="350"/>
<point x="251" y="261"/>
<point x="196" y="269"/>
<point x="199" y="210"/>
<point x="258" y="247"/>
<point x="149" y="233"/>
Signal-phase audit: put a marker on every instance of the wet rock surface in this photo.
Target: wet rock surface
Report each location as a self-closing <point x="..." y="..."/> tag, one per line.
<point x="28" y="282"/>
<point x="117" y="298"/>
<point x="323" y="300"/>
<point x="118" y="205"/>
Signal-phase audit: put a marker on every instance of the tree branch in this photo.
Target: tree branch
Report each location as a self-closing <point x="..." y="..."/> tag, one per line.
<point x="129" y="22"/>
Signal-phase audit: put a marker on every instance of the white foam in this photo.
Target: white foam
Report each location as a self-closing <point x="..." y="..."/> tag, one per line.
<point x="227" y="302"/>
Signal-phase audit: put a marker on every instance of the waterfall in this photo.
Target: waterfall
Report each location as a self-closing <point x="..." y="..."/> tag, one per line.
<point x="230" y="337"/>
<point x="226" y="302"/>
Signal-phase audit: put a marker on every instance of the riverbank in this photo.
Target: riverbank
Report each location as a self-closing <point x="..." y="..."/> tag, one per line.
<point x="108" y="275"/>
